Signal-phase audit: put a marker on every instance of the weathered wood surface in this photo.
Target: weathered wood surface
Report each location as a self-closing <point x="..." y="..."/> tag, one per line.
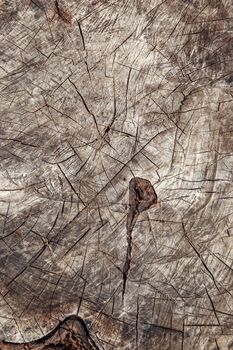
<point x="93" y="94"/>
<point x="69" y="334"/>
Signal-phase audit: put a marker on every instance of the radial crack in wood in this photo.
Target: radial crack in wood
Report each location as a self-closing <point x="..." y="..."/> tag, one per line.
<point x="141" y="197"/>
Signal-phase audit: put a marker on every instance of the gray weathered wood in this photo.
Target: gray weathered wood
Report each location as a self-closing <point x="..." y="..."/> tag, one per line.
<point x="93" y="94"/>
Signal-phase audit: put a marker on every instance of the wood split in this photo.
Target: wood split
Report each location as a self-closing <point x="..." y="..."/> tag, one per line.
<point x="141" y="197"/>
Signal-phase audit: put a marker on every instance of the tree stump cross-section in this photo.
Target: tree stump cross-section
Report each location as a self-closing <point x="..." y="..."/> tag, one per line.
<point x="116" y="174"/>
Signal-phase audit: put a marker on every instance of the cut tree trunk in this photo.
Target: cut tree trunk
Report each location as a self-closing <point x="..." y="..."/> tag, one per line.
<point x="116" y="180"/>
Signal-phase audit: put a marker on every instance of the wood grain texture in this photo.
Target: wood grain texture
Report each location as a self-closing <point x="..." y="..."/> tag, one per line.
<point x="93" y="94"/>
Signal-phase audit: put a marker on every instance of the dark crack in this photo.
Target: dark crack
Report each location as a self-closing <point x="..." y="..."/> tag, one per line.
<point x="70" y="334"/>
<point x="141" y="197"/>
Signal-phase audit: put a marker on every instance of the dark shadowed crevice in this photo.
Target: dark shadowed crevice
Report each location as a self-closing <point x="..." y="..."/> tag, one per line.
<point x="70" y="334"/>
<point x="141" y="197"/>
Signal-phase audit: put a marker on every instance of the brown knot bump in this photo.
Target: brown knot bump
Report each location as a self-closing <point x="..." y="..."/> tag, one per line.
<point x="141" y="195"/>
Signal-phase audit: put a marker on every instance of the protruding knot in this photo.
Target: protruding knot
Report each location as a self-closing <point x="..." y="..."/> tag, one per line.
<point x="141" y="194"/>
